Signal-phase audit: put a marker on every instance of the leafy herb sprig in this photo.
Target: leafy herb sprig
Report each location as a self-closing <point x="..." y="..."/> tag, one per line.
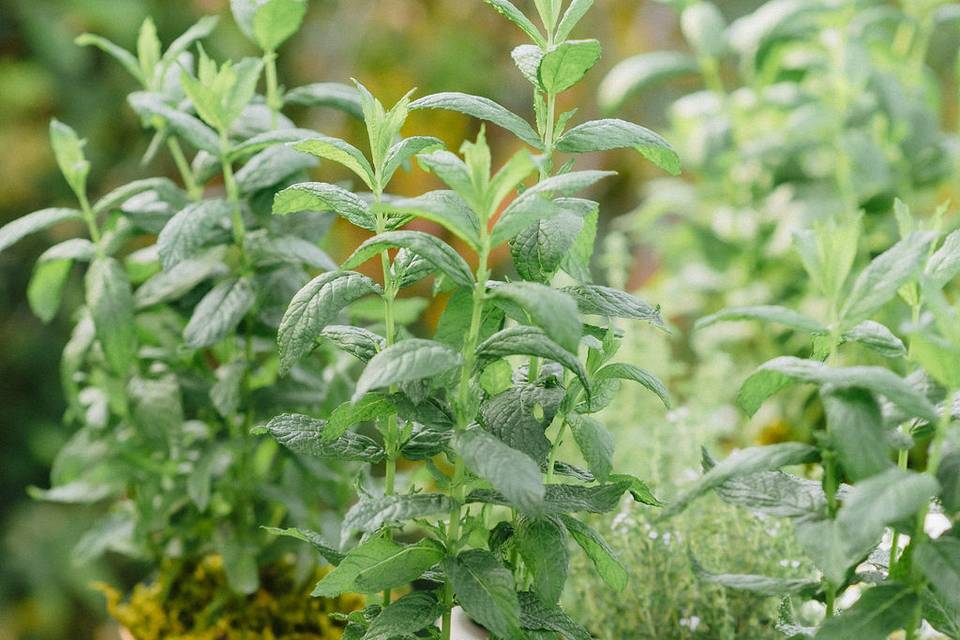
<point x="870" y="412"/>
<point x="497" y="507"/>
<point x="171" y="359"/>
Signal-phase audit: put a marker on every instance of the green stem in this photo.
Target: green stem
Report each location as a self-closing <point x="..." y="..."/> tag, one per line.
<point x="233" y="193"/>
<point x="464" y="416"/>
<point x="274" y="99"/>
<point x="903" y="458"/>
<point x="555" y="448"/>
<point x="194" y="191"/>
<point x="89" y="217"/>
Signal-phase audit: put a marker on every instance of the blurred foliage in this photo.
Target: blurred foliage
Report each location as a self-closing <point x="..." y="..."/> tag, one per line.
<point x="390" y="45"/>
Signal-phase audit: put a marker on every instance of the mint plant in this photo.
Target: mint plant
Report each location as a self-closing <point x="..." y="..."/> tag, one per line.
<point x="171" y="361"/>
<point x="799" y="112"/>
<point x="513" y="370"/>
<point x="869" y="413"/>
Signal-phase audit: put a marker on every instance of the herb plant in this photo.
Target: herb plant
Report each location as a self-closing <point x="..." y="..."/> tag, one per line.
<point x="801" y="112"/>
<point x="495" y="510"/>
<point x="171" y="361"/>
<point x="869" y="413"/>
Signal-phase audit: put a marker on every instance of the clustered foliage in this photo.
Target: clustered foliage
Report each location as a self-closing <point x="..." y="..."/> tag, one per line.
<point x="173" y="363"/>
<point x="804" y="110"/>
<point x="880" y="455"/>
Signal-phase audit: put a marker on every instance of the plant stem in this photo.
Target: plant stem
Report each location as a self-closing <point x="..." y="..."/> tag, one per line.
<point x="233" y="193"/>
<point x="274" y="100"/>
<point x="903" y="458"/>
<point x="89" y="217"/>
<point x="194" y="191"/>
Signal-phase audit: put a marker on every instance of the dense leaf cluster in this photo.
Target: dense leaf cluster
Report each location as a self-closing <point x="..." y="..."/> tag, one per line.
<point x="173" y="365"/>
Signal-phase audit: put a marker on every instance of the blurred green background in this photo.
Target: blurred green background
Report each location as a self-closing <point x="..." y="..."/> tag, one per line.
<point x="391" y="45"/>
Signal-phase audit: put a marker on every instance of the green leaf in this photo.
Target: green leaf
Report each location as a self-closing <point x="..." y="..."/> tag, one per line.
<point x="482" y="109"/>
<point x="857" y="432"/>
<point x="371" y="407"/>
<point x="571" y="18"/>
<point x="219" y="313"/>
<point x="319" y="196"/>
<point x="68" y="149"/>
<point x="948" y="474"/>
<point x="110" y="299"/>
<point x="379" y="563"/>
<point x="621" y="371"/>
<point x="940" y="562"/>
<point x="372" y="514"/>
<point x="316" y="540"/>
<point x="341" y="152"/>
<point x="271" y="167"/>
<point x="433" y="249"/>
<point x="704" y="28"/>
<point x="187" y="127"/>
<point x="744" y="463"/>
<point x="403" y="151"/>
<point x="519" y="416"/>
<point x="191" y="229"/>
<point x="568" y="498"/>
<point x="314" y="307"/>
<point x="944" y="264"/>
<point x="274" y="21"/>
<point x="358" y="342"/>
<point x="20" y="228"/>
<point x="536" y="616"/>
<point x="406" y="361"/>
<point x="550" y="309"/>
<point x="539" y="250"/>
<point x="762" y="585"/>
<point x="604" y="301"/>
<point x="595" y="443"/>
<point x="121" y="55"/>
<point x="780" y="372"/>
<point x="514" y="474"/>
<point x="508" y="10"/>
<point x="165" y="189"/>
<point x="486" y="591"/>
<point x="780" y="315"/>
<point x="542" y="543"/>
<point x="327" y="94"/>
<point x="775" y="493"/>
<point x="148" y="49"/>
<point x="565" y="64"/>
<point x="878" y="283"/>
<point x="880" y="611"/>
<point x="266" y="250"/>
<point x="240" y="566"/>
<point x="877" y="337"/>
<point x="537" y="202"/>
<point x="641" y="72"/>
<point x="304" y="435"/>
<point x="45" y="291"/>
<point x="408" y="615"/>
<point x="604" y="559"/>
<point x="445" y="208"/>
<point x="181" y="278"/>
<point x="199" y="30"/>
<point x="530" y="341"/>
<point x="604" y="135"/>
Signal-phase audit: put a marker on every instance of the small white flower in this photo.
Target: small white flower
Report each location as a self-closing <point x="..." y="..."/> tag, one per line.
<point x="795" y="564"/>
<point x="694" y="622"/>
<point x="654" y="535"/>
<point x="784" y="563"/>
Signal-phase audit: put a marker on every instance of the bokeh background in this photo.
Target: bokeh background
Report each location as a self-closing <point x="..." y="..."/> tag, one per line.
<point x="390" y="45"/>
